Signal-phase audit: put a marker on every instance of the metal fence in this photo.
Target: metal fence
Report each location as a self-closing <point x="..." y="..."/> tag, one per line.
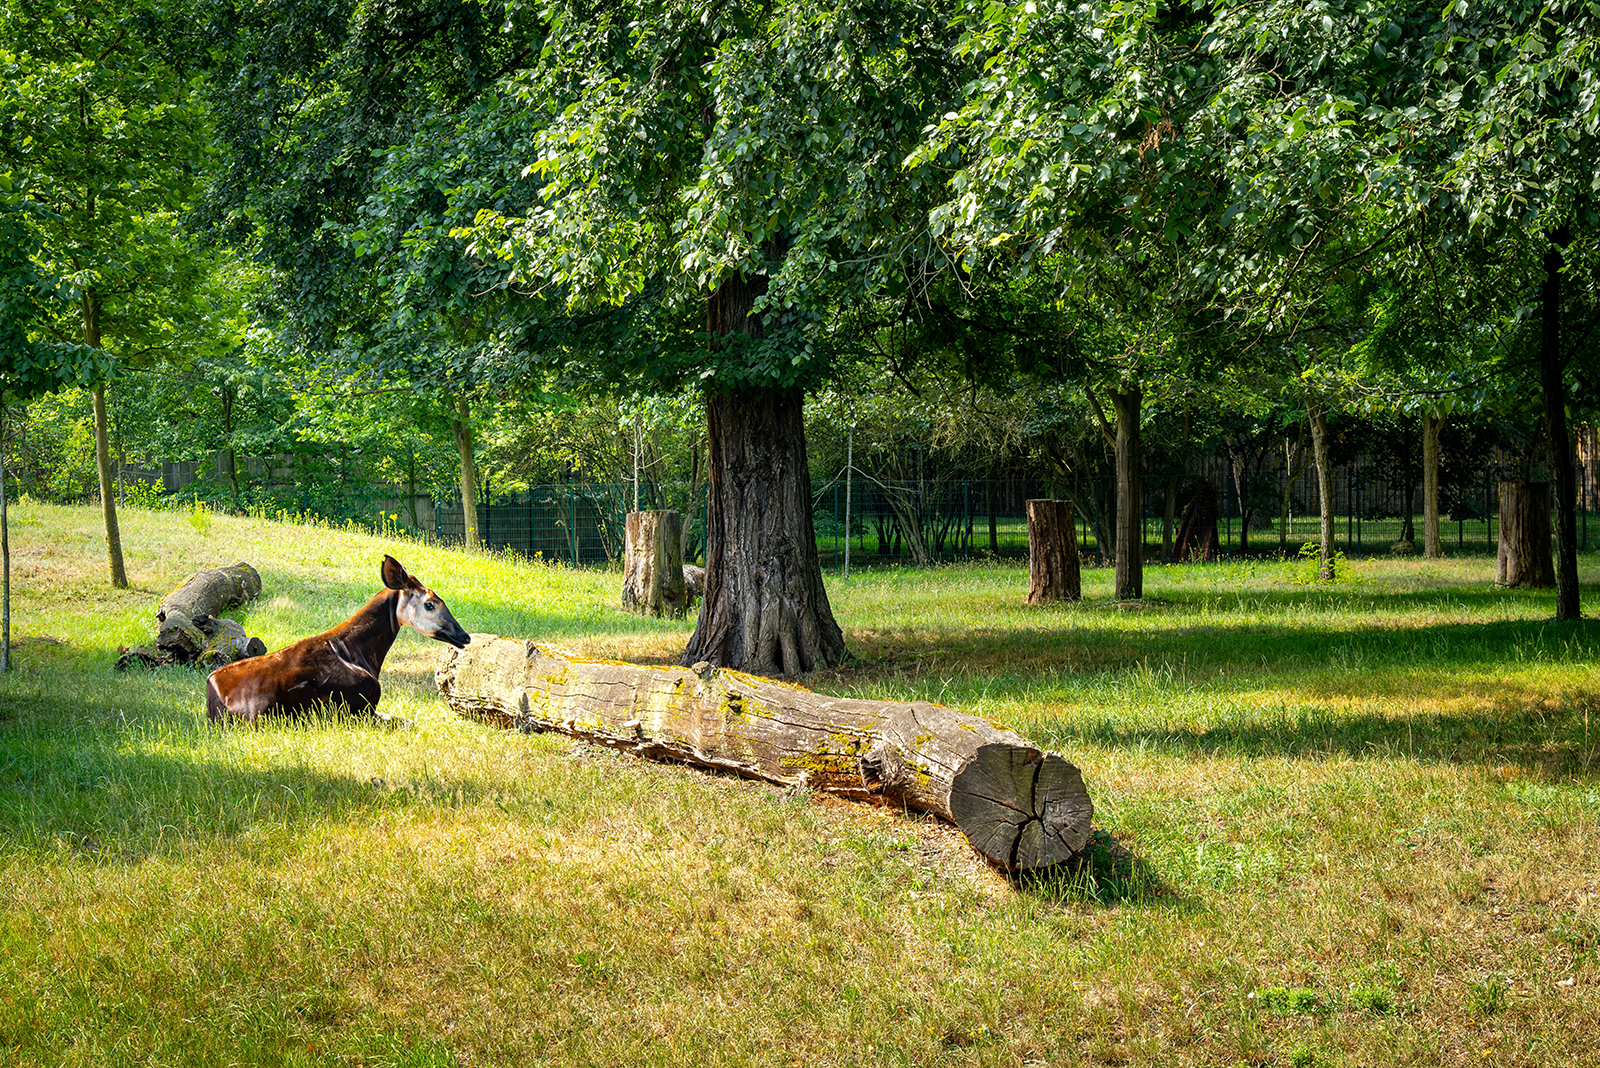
<point x="931" y="521"/>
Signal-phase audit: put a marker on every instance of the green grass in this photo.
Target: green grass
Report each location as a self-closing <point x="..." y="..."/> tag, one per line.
<point x="1343" y="826"/>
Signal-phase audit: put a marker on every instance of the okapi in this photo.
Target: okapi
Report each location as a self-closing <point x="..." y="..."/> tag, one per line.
<point x="337" y="668"/>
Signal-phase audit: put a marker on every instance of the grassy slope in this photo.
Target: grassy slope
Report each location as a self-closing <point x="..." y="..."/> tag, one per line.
<point x="1341" y="827"/>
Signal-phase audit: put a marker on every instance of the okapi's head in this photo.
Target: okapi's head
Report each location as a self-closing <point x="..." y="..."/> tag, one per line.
<point x="420" y="608"/>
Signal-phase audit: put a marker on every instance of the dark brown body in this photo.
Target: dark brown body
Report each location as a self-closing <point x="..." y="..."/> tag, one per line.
<point x="337" y="668"/>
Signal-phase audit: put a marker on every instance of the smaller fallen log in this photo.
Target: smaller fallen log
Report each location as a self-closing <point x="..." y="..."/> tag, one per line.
<point x="191" y="628"/>
<point x="1022" y="809"/>
<point x="211" y="592"/>
<point x="694" y="582"/>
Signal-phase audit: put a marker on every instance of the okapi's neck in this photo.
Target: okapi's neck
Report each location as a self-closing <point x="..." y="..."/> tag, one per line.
<point x="370" y="632"/>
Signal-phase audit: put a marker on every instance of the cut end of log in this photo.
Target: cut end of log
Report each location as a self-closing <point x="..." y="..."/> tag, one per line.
<point x="1020" y="808"/>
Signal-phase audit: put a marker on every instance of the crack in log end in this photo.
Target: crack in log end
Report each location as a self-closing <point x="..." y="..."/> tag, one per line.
<point x="1020" y="808"/>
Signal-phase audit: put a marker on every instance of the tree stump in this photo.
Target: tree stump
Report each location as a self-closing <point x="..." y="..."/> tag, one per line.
<point x="1053" y="573"/>
<point x="1523" y="556"/>
<point x="191" y="628"/>
<point x="1197" y="534"/>
<point x="1021" y="808"/>
<point x="653" y="578"/>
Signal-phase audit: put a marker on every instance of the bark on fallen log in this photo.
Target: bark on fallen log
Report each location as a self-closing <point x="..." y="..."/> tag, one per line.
<point x="1020" y="808"/>
<point x="211" y="592"/>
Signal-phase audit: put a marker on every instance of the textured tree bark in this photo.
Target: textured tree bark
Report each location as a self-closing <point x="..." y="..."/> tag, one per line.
<point x="461" y="428"/>
<point x="1318" y="418"/>
<point x="653" y="579"/>
<point x="1432" y="544"/>
<point x="1552" y="375"/>
<point x="765" y="609"/>
<point x="1053" y="566"/>
<point x="1522" y="557"/>
<point x="1022" y="809"/>
<point x="1293" y="465"/>
<point x="1130" y="496"/>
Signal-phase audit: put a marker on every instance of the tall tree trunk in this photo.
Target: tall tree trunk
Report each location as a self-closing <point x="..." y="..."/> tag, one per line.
<point x="765" y="609"/>
<point x="1169" y="518"/>
<point x="1318" y="417"/>
<point x="5" y="557"/>
<point x="1552" y="370"/>
<point x="1053" y="573"/>
<point x="411" y="486"/>
<point x="1239" y="460"/>
<point x="461" y="427"/>
<point x="988" y="504"/>
<point x="1432" y="546"/>
<point x="108" y="494"/>
<point x="1522" y="555"/>
<point x="90" y="305"/>
<point x="1130" y="496"/>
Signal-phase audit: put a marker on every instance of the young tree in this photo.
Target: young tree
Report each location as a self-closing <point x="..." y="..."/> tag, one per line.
<point x="101" y="121"/>
<point x="29" y="365"/>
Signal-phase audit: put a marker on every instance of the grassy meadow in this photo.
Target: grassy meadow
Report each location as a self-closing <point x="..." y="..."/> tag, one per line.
<point x="1345" y="826"/>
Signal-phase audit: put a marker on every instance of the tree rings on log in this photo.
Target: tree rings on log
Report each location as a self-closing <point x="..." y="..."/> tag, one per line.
<point x="1022" y="809"/>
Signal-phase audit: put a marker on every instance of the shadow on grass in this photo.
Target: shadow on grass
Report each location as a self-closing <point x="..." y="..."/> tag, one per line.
<point x="1105" y="873"/>
<point x="1554" y="744"/>
<point x="121" y="784"/>
<point x="1481" y="661"/>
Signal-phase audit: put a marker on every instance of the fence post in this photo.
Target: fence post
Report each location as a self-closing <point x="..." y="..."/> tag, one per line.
<point x="1361" y="493"/>
<point x="836" y="524"/>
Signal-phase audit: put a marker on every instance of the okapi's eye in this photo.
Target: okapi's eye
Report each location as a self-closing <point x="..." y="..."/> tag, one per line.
<point x="428" y="606"/>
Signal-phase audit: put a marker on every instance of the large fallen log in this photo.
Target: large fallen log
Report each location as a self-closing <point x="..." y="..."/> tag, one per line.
<point x="1022" y="809"/>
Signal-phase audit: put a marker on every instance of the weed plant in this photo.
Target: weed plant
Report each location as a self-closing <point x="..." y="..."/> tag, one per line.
<point x="1336" y="825"/>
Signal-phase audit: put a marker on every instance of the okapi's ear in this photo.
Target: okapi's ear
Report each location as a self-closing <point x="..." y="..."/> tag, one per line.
<point x="394" y="576"/>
